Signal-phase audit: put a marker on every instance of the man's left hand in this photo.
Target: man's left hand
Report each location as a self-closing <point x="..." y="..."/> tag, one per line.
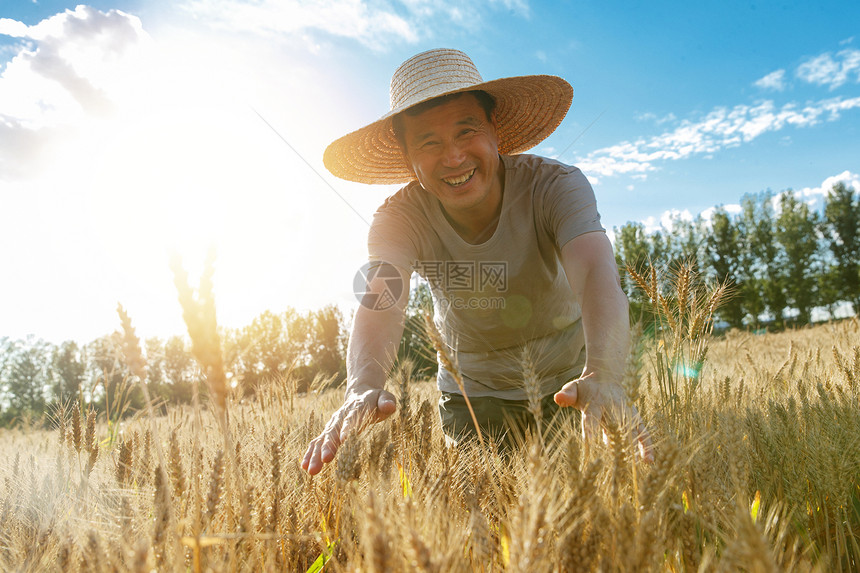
<point x="599" y="399"/>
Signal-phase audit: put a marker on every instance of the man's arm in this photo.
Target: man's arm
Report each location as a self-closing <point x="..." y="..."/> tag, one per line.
<point x="372" y="349"/>
<point x="593" y="275"/>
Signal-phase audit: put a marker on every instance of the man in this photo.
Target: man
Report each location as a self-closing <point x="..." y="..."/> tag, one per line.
<point x="521" y="270"/>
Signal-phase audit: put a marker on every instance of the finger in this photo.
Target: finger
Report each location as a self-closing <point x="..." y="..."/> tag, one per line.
<point x="385" y="405"/>
<point x="567" y="395"/>
<point x="308" y="454"/>
<point x="330" y="444"/>
<point x="315" y="463"/>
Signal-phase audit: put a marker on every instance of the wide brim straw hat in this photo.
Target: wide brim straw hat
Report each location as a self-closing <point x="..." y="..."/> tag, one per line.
<point x="528" y="109"/>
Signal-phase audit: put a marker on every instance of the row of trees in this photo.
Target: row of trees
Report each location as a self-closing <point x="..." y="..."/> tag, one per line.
<point x="291" y="346"/>
<point x="781" y="257"/>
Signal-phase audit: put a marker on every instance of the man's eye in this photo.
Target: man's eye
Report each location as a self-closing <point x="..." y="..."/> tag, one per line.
<point x="429" y="144"/>
<point x="467" y="131"/>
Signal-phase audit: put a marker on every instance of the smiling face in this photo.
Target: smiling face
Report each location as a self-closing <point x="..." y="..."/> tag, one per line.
<point x="454" y="151"/>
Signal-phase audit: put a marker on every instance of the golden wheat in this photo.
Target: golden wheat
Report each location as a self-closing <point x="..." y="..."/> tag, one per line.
<point x="758" y="471"/>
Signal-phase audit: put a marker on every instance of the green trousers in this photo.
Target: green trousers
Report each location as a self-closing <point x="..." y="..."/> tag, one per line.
<point x="505" y="420"/>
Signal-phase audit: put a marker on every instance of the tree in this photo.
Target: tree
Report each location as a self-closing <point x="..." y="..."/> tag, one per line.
<point x="763" y="247"/>
<point x="753" y="283"/>
<point x="25" y="377"/>
<point x="156" y="380"/>
<point x="273" y="345"/>
<point x="841" y="226"/>
<point x="723" y="256"/>
<point x="179" y="371"/>
<point x="69" y="369"/>
<point x="661" y="252"/>
<point x="6" y="349"/>
<point x="632" y="250"/>
<point x="113" y="389"/>
<point x="328" y="343"/>
<point x="263" y="350"/>
<point x="829" y="294"/>
<point x="796" y="234"/>
<point x="686" y="243"/>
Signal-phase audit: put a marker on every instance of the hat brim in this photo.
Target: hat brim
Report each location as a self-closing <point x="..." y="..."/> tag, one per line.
<point x="528" y="110"/>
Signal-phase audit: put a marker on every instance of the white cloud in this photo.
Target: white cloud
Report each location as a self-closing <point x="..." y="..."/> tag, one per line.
<point x="14" y="28"/>
<point x="772" y="81"/>
<point x="720" y="129"/>
<point x="69" y="71"/>
<point x="654" y="118"/>
<point x="847" y="177"/>
<point x="375" y="23"/>
<point x="724" y="128"/>
<point x="812" y="196"/>
<point x="670" y="217"/>
<point x="667" y="220"/>
<point x="650" y="224"/>
<point x="371" y="25"/>
<point x="830" y="70"/>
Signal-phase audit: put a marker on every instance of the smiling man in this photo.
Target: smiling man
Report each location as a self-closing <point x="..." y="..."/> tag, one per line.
<point x="511" y="244"/>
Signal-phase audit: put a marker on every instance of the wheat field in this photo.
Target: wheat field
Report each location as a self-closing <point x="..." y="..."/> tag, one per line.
<point x="757" y="468"/>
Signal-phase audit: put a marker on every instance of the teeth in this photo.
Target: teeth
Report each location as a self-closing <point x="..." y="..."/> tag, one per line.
<point x="459" y="180"/>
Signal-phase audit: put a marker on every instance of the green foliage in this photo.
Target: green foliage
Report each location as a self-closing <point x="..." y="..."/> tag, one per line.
<point x="25" y="378"/>
<point x="327" y="347"/>
<point x="35" y="374"/>
<point x="778" y="256"/>
<point x="179" y="371"/>
<point x="760" y="224"/>
<point x="725" y="262"/>
<point x="841" y="227"/>
<point x="796" y="228"/>
<point x="632" y="250"/>
<point x="69" y="368"/>
<point x="265" y="349"/>
<point x="302" y="345"/>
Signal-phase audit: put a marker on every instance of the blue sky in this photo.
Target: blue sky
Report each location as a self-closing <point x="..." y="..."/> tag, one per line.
<point x="129" y="130"/>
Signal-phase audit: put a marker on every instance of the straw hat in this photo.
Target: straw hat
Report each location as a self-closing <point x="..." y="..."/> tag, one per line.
<point x="528" y="109"/>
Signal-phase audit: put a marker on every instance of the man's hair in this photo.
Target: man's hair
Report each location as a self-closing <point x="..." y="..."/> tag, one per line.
<point x="485" y="100"/>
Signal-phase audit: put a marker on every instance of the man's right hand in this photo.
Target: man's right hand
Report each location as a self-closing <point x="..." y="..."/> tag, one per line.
<point x="359" y="410"/>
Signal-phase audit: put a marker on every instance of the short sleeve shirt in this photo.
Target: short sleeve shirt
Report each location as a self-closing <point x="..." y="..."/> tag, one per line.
<point x="507" y="301"/>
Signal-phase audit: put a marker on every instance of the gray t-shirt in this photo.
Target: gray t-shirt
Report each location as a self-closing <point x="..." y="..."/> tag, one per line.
<point x="494" y="299"/>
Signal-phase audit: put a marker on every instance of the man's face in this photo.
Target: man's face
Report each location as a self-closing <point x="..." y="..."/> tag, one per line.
<point x="454" y="152"/>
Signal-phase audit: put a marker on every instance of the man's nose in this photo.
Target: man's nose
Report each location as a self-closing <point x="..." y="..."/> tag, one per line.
<point x="452" y="154"/>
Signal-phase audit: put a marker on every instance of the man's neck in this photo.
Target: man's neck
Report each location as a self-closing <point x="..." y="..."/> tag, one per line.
<point x="478" y="224"/>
